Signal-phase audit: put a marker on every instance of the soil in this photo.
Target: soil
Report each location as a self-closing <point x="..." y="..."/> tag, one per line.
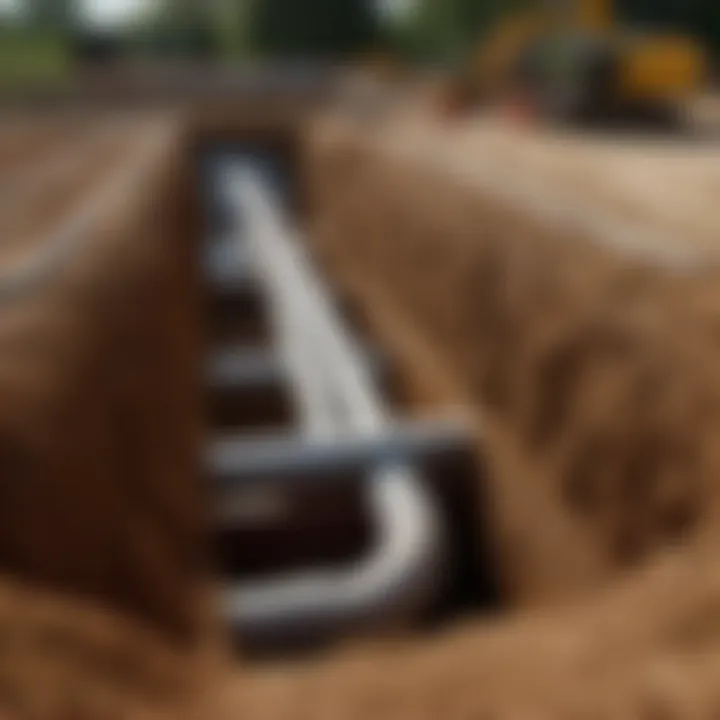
<point x="100" y="424"/>
<point x="646" y="648"/>
<point x="591" y="369"/>
<point x="65" y="658"/>
<point x="587" y="358"/>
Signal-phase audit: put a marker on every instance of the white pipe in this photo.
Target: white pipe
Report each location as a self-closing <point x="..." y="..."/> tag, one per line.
<point x="230" y="368"/>
<point x="402" y="573"/>
<point x="235" y="464"/>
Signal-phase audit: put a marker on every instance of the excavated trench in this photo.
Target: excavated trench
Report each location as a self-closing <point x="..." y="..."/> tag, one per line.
<point x="275" y="531"/>
<point x="599" y="438"/>
<point x="122" y="360"/>
<point x="281" y="530"/>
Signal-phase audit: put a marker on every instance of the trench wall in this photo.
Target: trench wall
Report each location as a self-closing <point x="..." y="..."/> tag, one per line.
<point x="100" y="419"/>
<point x="107" y="603"/>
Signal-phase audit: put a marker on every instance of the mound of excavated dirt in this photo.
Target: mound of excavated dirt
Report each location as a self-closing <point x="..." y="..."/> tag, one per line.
<point x="100" y="424"/>
<point x="645" y="649"/>
<point x="593" y="363"/>
<point x="62" y="658"/>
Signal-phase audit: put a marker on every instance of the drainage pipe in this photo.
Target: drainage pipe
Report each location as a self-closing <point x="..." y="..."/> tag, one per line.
<point x="402" y="573"/>
<point x="246" y="368"/>
<point x="238" y="464"/>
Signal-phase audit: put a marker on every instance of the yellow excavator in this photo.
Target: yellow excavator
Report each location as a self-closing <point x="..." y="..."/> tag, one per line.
<point x="590" y="59"/>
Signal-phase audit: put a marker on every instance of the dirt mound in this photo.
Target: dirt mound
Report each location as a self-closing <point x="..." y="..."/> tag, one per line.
<point x="593" y="366"/>
<point x="647" y="648"/>
<point x="62" y="658"/>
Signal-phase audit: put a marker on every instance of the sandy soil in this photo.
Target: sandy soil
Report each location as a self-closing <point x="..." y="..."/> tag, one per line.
<point x="39" y="194"/>
<point x="64" y="658"/>
<point x="600" y="422"/>
<point x="100" y="428"/>
<point x="645" y="648"/>
<point x="657" y="189"/>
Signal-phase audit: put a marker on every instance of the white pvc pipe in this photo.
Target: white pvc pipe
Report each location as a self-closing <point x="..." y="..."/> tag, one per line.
<point x="235" y="464"/>
<point x="403" y="571"/>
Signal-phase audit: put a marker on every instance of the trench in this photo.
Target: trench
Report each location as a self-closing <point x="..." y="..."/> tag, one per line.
<point x="293" y="528"/>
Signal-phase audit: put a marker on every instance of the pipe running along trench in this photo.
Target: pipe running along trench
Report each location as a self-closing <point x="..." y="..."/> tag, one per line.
<point x="402" y="573"/>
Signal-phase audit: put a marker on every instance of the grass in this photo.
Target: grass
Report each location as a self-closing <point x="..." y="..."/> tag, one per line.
<point x="28" y="58"/>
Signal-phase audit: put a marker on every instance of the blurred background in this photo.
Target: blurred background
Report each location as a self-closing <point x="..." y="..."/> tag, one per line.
<point x="42" y="39"/>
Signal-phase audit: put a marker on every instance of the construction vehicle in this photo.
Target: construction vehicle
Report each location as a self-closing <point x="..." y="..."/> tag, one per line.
<point x="589" y="59"/>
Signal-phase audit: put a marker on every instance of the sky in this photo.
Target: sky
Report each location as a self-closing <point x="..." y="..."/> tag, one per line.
<point x="100" y="12"/>
<point x="112" y="12"/>
<point x="396" y="7"/>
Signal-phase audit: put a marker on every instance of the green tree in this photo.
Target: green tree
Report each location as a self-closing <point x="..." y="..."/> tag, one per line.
<point x="177" y="27"/>
<point x="230" y="18"/>
<point x="311" y="27"/>
<point x="59" y="15"/>
<point x="447" y="29"/>
<point x="707" y="26"/>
